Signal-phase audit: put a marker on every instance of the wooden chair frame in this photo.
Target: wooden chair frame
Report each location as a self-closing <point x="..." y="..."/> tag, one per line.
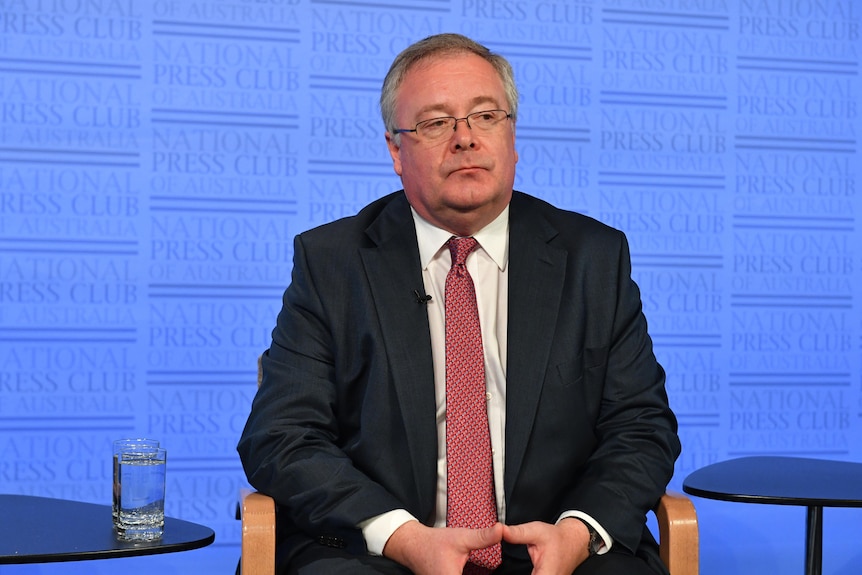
<point x="677" y="523"/>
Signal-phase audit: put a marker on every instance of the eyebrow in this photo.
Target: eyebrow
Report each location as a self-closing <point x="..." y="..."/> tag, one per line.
<point x="441" y="108"/>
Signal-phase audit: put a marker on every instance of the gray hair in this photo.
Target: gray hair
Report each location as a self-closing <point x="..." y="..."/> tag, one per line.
<point x="441" y="44"/>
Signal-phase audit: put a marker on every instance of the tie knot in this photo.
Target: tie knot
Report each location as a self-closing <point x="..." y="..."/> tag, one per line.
<point x="460" y="248"/>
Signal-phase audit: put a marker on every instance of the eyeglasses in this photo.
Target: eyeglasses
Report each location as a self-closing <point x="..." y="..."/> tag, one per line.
<point x="437" y="128"/>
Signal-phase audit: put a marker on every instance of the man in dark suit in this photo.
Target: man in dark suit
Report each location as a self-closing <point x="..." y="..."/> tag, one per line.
<point x="347" y="431"/>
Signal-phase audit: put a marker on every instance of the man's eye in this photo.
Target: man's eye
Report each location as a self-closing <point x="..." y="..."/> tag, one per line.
<point x="437" y="123"/>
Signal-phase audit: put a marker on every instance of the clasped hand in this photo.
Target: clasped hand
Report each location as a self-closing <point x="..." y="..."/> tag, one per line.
<point x="554" y="549"/>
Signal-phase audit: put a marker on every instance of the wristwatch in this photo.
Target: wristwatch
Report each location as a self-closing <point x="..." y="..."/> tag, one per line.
<point x="596" y="541"/>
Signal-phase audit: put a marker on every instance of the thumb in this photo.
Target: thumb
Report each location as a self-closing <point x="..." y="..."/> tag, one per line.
<point x="517" y="534"/>
<point x="482" y="538"/>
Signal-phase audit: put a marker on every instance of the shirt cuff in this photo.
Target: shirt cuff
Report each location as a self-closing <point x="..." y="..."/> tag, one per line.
<point x="379" y="529"/>
<point x="606" y="538"/>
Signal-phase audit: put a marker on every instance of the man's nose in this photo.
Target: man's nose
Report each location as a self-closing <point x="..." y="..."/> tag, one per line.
<point x="462" y="137"/>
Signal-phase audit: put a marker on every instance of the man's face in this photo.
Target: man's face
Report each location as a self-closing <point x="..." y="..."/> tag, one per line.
<point x="463" y="181"/>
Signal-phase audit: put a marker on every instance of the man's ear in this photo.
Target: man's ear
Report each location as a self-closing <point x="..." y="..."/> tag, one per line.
<point x="514" y="147"/>
<point x="394" y="152"/>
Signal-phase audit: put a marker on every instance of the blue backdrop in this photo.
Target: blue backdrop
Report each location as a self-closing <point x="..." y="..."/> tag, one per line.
<point x="158" y="156"/>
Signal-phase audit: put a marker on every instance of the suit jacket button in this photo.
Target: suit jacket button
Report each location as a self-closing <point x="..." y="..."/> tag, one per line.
<point x="332" y="541"/>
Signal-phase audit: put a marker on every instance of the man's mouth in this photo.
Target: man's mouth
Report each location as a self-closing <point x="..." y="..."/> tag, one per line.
<point x="466" y="169"/>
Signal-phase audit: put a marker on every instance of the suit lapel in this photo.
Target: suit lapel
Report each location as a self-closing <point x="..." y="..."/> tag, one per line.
<point x="536" y="275"/>
<point x="394" y="271"/>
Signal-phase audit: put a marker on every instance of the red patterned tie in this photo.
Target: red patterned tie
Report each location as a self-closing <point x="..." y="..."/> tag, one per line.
<point x="470" y="476"/>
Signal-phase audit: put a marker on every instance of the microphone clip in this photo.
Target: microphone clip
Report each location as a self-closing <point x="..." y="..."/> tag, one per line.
<point x="421" y="298"/>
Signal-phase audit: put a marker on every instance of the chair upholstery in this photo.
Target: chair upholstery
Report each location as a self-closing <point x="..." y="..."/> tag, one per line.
<point x="677" y="524"/>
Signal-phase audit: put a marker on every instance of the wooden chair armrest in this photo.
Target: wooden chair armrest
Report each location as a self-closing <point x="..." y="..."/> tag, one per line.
<point x="257" y="512"/>
<point x="678" y="535"/>
<point x="677" y="522"/>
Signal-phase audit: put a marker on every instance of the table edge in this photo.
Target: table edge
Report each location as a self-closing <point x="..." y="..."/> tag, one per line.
<point x="107" y="554"/>
<point x="770" y="499"/>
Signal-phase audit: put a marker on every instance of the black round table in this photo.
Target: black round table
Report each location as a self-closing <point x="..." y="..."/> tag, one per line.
<point x="45" y="530"/>
<point x="781" y="480"/>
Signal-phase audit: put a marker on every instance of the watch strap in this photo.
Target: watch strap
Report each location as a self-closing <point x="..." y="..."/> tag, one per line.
<point x="596" y="540"/>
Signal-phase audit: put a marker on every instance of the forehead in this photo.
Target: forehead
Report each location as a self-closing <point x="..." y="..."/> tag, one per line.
<point x="446" y="81"/>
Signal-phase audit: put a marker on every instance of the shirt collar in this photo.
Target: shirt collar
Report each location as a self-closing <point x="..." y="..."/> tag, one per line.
<point x="494" y="238"/>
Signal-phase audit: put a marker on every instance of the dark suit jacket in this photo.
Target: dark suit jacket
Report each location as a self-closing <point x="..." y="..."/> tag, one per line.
<point x="343" y="426"/>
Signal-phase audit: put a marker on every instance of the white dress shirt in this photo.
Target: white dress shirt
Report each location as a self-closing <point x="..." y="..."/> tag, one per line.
<point x="488" y="266"/>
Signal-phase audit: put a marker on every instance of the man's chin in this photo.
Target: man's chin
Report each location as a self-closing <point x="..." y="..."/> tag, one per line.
<point x="468" y="201"/>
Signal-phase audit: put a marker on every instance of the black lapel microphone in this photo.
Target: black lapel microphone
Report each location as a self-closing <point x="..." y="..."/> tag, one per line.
<point x="420" y="297"/>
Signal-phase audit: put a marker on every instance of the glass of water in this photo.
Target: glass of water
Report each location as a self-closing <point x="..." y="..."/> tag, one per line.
<point x="118" y="446"/>
<point x="141" y="502"/>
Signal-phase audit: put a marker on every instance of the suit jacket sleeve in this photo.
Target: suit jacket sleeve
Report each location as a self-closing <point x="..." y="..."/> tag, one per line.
<point x="634" y="428"/>
<point x="299" y="444"/>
